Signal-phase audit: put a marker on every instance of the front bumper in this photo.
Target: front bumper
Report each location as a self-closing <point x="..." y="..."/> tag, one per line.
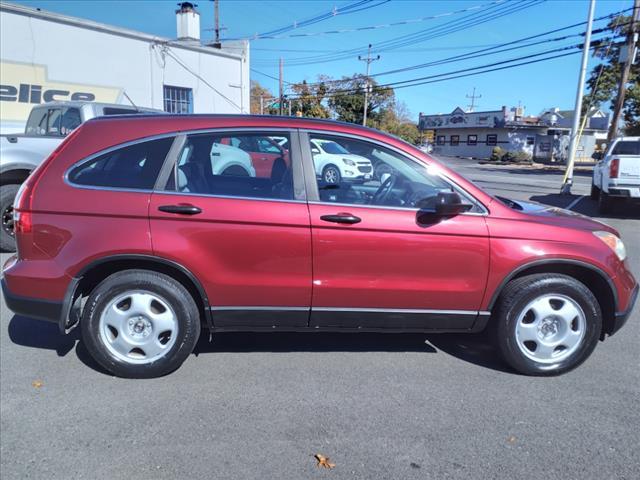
<point x="32" y="307"/>
<point x="621" y="317"/>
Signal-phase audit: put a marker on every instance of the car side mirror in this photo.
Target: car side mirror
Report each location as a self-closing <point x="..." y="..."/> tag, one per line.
<point x="315" y="151"/>
<point x="447" y="204"/>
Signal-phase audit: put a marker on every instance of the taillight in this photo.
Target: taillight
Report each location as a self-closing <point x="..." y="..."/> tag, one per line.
<point x="614" y="168"/>
<point x="22" y="222"/>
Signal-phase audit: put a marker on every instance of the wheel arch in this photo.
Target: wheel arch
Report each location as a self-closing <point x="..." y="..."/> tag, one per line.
<point x="591" y="276"/>
<point x="96" y="271"/>
<point x="14" y="177"/>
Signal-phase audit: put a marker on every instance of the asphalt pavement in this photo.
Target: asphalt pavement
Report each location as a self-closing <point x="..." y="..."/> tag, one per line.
<point x="393" y="406"/>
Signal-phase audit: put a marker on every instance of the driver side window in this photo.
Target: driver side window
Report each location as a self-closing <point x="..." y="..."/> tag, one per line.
<point x="353" y="171"/>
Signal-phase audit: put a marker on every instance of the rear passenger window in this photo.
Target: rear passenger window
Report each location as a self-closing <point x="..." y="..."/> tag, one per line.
<point x="135" y="166"/>
<point x="235" y="165"/>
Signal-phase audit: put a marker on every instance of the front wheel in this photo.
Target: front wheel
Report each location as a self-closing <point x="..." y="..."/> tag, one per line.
<point x="331" y="175"/>
<point x="140" y="324"/>
<point x="546" y="324"/>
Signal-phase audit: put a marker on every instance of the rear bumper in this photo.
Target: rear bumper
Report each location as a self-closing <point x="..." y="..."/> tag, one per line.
<point x="32" y="307"/>
<point x="622" y="317"/>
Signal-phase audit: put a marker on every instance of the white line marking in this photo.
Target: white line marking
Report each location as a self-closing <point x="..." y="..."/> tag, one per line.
<point x="575" y="202"/>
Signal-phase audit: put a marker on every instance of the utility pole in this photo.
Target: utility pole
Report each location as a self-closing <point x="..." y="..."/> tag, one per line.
<point x="261" y="105"/>
<point x="473" y="97"/>
<point x="216" y="20"/>
<point x="632" y="39"/>
<point x="281" y="92"/>
<point x="369" y="60"/>
<point x="568" y="176"/>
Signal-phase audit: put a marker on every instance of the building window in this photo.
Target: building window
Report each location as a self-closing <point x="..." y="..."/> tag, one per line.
<point x="440" y="140"/>
<point x="178" y="99"/>
<point x="455" y="139"/>
<point x="472" y="139"/>
<point x="492" y="140"/>
<point x="531" y="140"/>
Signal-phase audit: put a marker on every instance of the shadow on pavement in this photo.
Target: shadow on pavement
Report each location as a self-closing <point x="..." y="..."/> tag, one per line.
<point x="621" y="209"/>
<point x="40" y="334"/>
<point x="472" y="348"/>
<point x="532" y="171"/>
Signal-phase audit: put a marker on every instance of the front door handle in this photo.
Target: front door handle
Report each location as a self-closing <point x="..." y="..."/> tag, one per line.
<point x="180" y="209"/>
<point x="341" y="218"/>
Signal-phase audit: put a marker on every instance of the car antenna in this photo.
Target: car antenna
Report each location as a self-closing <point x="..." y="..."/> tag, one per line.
<point x="130" y="101"/>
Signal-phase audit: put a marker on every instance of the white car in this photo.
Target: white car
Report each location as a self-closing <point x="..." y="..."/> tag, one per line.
<point x="617" y="174"/>
<point x="334" y="163"/>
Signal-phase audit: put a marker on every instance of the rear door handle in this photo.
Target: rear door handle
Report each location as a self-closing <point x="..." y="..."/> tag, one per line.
<point x="341" y="218"/>
<point x="180" y="209"/>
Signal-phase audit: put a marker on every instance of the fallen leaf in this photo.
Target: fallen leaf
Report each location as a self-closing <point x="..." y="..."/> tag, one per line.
<point x="37" y="383"/>
<point x="511" y="439"/>
<point x="323" y="461"/>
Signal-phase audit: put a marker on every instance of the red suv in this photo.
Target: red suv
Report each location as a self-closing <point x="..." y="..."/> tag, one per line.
<point x="141" y="244"/>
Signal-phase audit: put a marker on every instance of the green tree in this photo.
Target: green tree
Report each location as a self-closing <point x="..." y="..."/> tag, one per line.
<point x="396" y="120"/>
<point x="605" y="77"/>
<point x="346" y="99"/>
<point x="258" y="91"/>
<point x="309" y="99"/>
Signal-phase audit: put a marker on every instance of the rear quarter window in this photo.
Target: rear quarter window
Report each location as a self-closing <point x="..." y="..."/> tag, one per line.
<point x="134" y="166"/>
<point x="626" y="147"/>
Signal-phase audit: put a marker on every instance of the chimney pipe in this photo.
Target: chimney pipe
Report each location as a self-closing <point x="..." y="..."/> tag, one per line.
<point x="188" y="21"/>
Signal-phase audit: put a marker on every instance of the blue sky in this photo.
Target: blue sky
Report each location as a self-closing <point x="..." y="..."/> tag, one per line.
<point x="535" y="86"/>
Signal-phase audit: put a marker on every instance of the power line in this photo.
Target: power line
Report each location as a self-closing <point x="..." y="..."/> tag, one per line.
<point x="492" y="12"/>
<point x="497" y="48"/>
<point x="375" y="26"/>
<point x="492" y="67"/>
<point x="351" y="8"/>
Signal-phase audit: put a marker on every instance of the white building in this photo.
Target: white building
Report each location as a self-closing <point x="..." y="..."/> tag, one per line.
<point x="545" y="138"/>
<point x="45" y="56"/>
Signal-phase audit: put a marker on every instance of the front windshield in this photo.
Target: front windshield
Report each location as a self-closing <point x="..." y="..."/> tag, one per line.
<point x="333" y="148"/>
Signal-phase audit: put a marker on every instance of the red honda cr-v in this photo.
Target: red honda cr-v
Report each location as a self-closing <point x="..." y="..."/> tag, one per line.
<point x="126" y="231"/>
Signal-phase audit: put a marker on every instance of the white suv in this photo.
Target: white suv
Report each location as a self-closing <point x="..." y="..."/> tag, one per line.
<point x="334" y="163"/>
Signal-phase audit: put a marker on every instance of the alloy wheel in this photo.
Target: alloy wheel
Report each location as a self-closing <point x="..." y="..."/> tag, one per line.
<point x="138" y="327"/>
<point x="550" y="328"/>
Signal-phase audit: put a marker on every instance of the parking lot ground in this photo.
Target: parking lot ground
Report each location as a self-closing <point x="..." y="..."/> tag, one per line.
<point x="394" y="406"/>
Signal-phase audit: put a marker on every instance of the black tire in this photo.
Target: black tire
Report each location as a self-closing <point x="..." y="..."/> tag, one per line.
<point x="515" y="298"/>
<point x="605" y="202"/>
<point x="176" y="296"/>
<point x="7" y="237"/>
<point x="333" y="173"/>
<point x="235" y="171"/>
<point x="595" y="192"/>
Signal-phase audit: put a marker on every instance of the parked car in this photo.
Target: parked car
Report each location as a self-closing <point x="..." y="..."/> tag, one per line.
<point x="48" y="124"/>
<point x="334" y="163"/>
<point x="118" y="235"/>
<point x="616" y="176"/>
<point x="263" y="152"/>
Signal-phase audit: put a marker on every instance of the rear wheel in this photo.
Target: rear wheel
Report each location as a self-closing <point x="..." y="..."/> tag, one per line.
<point x="140" y="324"/>
<point x="7" y="233"/>
<point x="595" y="192"/>
<point x="546" y="324"/>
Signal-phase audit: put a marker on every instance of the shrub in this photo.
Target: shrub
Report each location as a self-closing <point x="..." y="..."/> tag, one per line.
<point x="518" y="156"/>
<point x="496" y="154"/>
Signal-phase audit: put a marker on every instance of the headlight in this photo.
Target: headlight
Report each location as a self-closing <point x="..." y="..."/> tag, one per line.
<point x="613" y="242"/>
<point x="349" y="162"/>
